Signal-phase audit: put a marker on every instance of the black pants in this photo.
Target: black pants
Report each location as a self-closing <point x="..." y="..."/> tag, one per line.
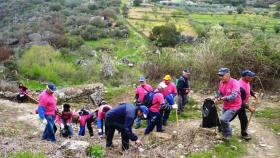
<point x="21" y="99"/>
<point x="110" y="127"/>
<point x="89" y="125"/>
<point x="243" y="120"/>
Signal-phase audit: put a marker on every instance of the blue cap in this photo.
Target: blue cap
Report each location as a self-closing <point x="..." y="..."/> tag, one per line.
<point x="223" y="71"/>
<point x="142" y="79"/>
<point x="145" y="110"/>
<point x="248" y="73"/>
<point x="51" y="87"/>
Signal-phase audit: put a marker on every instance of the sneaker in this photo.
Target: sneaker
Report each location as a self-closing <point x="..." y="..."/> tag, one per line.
<point x="246" y="137"/>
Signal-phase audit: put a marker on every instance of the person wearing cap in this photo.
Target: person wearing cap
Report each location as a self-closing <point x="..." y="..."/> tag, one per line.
<point x="183" y="90"/>
<point x="154" y="116"/>
<point x="245" y="90"/>
<point x="101" y="113"/>
<point x="140" y="92"/>
<point x="46" y="111"/>
<point x="121" y="118"/>
<point x="85" y="117"/>
<point x="169" y="93"/>
<point x="229" y="93"/>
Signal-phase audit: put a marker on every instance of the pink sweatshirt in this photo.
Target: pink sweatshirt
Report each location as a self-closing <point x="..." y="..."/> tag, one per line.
<point x="158" y="99"/>
<point x="48" y="101"/>
<point x="247" y="88"/>
<point x="226" y="89"/>
<point x="142" y="91"/>
<point x="100" y="114"/>
<point x="170" y="89"/>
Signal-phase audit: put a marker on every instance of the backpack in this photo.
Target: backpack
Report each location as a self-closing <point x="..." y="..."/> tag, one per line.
<point x="209" y="114"/>
<point x="148" y="99"/>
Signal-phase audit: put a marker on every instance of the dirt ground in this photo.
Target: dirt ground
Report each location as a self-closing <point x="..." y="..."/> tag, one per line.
<point x="20" y="129"/>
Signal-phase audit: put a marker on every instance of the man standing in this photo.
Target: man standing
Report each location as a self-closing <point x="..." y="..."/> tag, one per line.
<point x="245" y="90"/>
<point x="169" y="93"/>
<point x="229" y="93"/>
<point x="183" y="90"/>
<point x="154" y="116"/>
<point x="46" y="111"/>
<point x="140" y="93"/>
<point x="121" y="118"/>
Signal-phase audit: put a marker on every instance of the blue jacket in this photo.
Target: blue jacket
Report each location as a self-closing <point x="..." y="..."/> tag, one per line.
<point x="124" y="114"/>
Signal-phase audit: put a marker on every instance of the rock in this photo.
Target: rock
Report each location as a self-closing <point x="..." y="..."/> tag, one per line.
<point x="278" y="133"/>
<point x="233" y="147"/>
<point x="35" y="37"/>
<point x="74" y="145"/>
<point x="93" y="53"/>
<point x="12" y="41"/>
<point x="82" y="93"/>
<point x="180" y="146"/>
<point x="263" y="145"/>
<point x="37" y="43"/>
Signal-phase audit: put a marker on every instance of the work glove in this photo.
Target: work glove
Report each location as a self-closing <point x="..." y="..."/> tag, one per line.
<point x="62" y="126"/>
<point x="45" y="122"/>
<point x="138" y="142"/>
<point x="100" y="133"/>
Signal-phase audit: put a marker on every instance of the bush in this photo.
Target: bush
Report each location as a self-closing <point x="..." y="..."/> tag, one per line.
<point x="137" y="2"/>
<point x="276" y="28"/>
<point x="90" y="33"/>
<point x="166" y="35"/>
<point x="55" y="7"/>
<point x="95" y="151"/>
<point x="44" y="63"/>
<point x="239" y="10"/>
<point x="109" y="13"/>
<point x="73" y="42"/>
<point x="276" y="15"/>
<point x="5" y="53"/>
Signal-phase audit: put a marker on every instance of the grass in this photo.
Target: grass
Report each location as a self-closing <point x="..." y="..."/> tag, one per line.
<point x="95" y="151"/>
<point x="275" y="127"/>
<point x="33" y="84"/>
<point x="113" y="92"/>
<point x="268" y="112"/>
<point x="26" y="154"/>
<point x="232" y="149"/>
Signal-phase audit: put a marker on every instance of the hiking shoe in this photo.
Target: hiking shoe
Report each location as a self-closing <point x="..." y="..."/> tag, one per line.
<point x="162" y="130"/>
<point x="246" y="137"/>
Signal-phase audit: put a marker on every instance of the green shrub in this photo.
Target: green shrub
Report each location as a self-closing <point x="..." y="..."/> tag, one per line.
<point x="73" y="42"/>
<point x="44" y="63"/>
<point x="55" y="7"/>
<point x="95" y="151"/>
<point x="239" y="10"/>
<point x="166" y="35"/>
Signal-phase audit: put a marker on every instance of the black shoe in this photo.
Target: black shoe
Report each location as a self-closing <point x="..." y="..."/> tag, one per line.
<point x="162" y="130"/>
<point x="246" y="137"/>
<point x="164" y="123"/>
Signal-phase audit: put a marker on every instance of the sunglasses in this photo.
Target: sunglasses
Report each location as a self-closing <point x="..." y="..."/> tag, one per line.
<point x="220" y="75"/>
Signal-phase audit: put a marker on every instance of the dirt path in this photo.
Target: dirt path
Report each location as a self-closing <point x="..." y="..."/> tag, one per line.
<point x="27" y="128"/>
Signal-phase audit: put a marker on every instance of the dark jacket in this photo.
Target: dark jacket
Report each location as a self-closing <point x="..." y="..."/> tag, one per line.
<point x="124" y="114"/>
<point x="182" y="85"/>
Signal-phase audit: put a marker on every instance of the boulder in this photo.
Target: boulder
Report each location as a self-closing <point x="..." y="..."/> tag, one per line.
<point x="12" y="41"/>
<point x="82" y="93"/>
<point x="35" y="37"/>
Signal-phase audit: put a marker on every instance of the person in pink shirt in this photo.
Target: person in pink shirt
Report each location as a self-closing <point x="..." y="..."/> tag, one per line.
<point x="169" y="93"/>
<point x="85" y="117"/>
<point x="154" y="116"/>
<point x="140" y="93"/>
<point x="245" y="90"/>
<point x="229" y="93"/>
<point x="101" y="114"/>
<point x="46" y="111"/>
<point x="64" y="120"/>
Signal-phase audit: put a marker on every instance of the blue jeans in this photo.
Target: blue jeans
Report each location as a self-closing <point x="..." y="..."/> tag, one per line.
<point x="154" y="119"/>
<point x="48" y="133"/>
<point x="138" y="121"/>
<point x="225" y="118"/>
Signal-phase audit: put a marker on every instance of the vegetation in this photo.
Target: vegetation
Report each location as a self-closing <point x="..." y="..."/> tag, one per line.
<point x="27" y="154"/>
<point x="95" y="151"/>
<point x="165" y="35"/>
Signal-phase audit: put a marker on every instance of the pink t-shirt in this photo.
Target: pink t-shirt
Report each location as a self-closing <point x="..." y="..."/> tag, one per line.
<point x="48" y="101"/>
<point x="84" y="118"/>
<point x="158" y="99"/>
<point x="170" y="89"/>
<point x="142" y="91"/>
<point x="226" y="89"/>
<point x="247" y="88"/>
<point x="100" y="114"/>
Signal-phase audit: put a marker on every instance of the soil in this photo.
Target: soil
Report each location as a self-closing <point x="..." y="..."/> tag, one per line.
<point x="20" y="129"/>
